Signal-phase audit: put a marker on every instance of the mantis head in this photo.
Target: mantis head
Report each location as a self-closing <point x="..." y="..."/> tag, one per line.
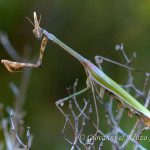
<point x="37" y="31"/>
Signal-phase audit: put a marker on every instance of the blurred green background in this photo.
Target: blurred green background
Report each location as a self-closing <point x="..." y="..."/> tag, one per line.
<point x="91" y="28"/>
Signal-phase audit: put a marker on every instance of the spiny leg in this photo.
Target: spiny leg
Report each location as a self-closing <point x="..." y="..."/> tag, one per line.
<point x="16" y="65"/>
<point x="43" y="45"/>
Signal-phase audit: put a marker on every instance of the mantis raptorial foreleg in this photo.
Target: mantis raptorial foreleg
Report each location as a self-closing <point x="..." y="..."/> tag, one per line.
<point x="38" y="33"/>
<point x="43" y="45"/>
<point x="16" y="65"/>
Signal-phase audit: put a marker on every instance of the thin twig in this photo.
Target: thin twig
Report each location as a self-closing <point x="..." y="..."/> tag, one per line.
<point x="13" y="128"/>
<point x="63" y="131"/>
<point x="8" y="47"/>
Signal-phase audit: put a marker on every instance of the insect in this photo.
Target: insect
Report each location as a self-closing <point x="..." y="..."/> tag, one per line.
<point x="97" y="78"/>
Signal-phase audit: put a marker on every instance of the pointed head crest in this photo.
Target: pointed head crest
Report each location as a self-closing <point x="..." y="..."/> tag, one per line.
<point x="37" y="31"/>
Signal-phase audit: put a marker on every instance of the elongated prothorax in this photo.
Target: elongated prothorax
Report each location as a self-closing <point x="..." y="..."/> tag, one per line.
<point x="66" y="48"/>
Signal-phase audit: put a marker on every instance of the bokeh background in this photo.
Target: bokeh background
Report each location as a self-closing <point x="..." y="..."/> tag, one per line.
<point x="91" y="28"/>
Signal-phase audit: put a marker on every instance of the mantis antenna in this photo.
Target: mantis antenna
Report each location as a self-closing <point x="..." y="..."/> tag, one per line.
<point x="31" y="21"/>
<point x="40" y="19"/>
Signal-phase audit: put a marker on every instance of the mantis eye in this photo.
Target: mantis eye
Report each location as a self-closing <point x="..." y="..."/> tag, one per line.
<point x="38" y="35"/>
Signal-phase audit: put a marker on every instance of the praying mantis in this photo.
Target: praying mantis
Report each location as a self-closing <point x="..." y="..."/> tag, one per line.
<point x="95" y="77"/>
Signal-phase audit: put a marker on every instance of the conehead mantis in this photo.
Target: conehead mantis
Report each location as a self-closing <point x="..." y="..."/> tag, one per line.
<point x="95" y="77"/>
